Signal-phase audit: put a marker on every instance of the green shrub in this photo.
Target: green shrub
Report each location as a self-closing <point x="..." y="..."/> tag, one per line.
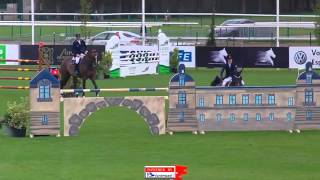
<point x="105" y="64"/>
<point x="17" y="114"/>
<point x="174" y="59"/>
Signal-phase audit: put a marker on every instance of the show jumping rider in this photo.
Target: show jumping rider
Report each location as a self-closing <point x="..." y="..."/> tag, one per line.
<point x="230" y="69"/>
<point x="79" y="50"/>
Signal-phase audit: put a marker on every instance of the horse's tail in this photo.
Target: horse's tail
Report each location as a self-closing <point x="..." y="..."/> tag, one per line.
<point x="216" y="81"/>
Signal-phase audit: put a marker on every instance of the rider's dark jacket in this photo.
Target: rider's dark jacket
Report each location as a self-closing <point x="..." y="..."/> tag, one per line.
<point x="230" y="70"/>
<point x="78" y="47"/>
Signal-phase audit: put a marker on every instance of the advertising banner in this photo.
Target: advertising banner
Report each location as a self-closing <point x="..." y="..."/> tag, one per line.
<point x="10" y="52"/>
<point x="138" y="60"/>
<point x="3" y="54"/>
<point x="114" y="48"/>
<point x="54" y="54"/>
<point x="132" y="60"/>
<point x="164" y="51"/>
<point x="138" y="69"/>
<point x="253" y="57"/>
<point x="299" y="56"/>
<point x="187" y="55"/>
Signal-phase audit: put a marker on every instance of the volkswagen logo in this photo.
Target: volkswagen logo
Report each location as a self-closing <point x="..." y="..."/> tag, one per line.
<point x="300" y="57"/>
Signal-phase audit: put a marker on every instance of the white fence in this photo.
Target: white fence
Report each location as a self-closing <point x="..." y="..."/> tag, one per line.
<point x="296" y="24"/>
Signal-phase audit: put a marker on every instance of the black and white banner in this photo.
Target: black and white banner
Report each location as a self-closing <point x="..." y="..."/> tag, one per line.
<point x="299" y="56"/>
<point x="138" y="60"/>
<point x="54" y="54"/>
<point x="253" y="57"/>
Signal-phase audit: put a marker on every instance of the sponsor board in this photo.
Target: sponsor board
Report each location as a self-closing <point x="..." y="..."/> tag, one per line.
<point x="53" y="54"/>
<point x="187" y="55"/>
<point x="114" y="48"/>
<point x="9" y="51"/>
<point x="138" y="60"/>
<point x="299" y="56"/>
<point x="257" y="57"/>
<point x="3" y="53"/>
<point x="138" y="69"/>
<point x="164" y="53"/>
<point x="132" y="60"/>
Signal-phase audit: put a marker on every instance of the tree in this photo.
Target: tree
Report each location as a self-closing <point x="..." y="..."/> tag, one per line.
<point x="212" y="40"/>
<point x="85" y="8"/>
<point x="317" y="20"/>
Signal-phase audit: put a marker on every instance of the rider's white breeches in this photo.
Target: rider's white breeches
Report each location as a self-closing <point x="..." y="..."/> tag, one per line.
<point x="226" y="80"/>
<point x="78" y="57"/>
<point x="77" y="60"/>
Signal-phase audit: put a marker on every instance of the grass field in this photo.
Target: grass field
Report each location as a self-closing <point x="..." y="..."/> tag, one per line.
<point x="115" y="143"/>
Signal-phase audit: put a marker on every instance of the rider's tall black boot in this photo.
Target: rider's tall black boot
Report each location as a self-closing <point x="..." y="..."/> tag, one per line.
<point x="77" y="70"/>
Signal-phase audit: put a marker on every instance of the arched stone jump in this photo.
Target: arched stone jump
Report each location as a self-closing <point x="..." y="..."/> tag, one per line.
<point x="151" y="108"/>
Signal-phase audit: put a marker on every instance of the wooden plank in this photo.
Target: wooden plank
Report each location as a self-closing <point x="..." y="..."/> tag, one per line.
<point x="43" y="112"/>
<point x="45" y="127"/>
<point x="185" y="114"/>
<point x="40" y="124"/>
<point x="181" y="129"/>
<point x="45" y="132"/>
<point x="41" y="115"/>
<point x="170" y="119"/>
<point x="308" y="126"/>
<point x="40" y="119"/>
<point x="33" y="113"/>
<point x="182" y="125"/>
<point x="178" y="121"/>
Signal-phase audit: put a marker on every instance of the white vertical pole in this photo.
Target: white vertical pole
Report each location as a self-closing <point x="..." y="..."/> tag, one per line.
<point x="143" y="23"/>
<point x="32" y="20"/>
<point x="278" y="20"/>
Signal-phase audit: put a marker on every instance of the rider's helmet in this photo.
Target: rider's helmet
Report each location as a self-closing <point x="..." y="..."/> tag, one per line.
<point x="78" y="36"/>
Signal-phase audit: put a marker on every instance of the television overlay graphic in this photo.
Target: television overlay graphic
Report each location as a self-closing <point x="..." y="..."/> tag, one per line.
<point x="265" y="58"/>
<point x="165" y="172"/>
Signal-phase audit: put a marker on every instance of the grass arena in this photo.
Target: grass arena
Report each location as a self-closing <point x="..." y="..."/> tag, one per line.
<point x="111" y="143"/>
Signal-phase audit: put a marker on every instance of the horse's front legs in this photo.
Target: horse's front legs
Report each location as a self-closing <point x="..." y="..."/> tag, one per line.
<point x="83" y="86"/>
<point x="95" y="86"/>
<point x="64" y="80"/>
<point x="75" y="82"/>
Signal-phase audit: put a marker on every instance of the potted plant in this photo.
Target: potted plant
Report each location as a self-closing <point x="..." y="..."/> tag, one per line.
<point x="104" y="65"/>
<point x="108" y="60"/>
<point x="16" y="118"/>
<point x="174" y="60"/>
